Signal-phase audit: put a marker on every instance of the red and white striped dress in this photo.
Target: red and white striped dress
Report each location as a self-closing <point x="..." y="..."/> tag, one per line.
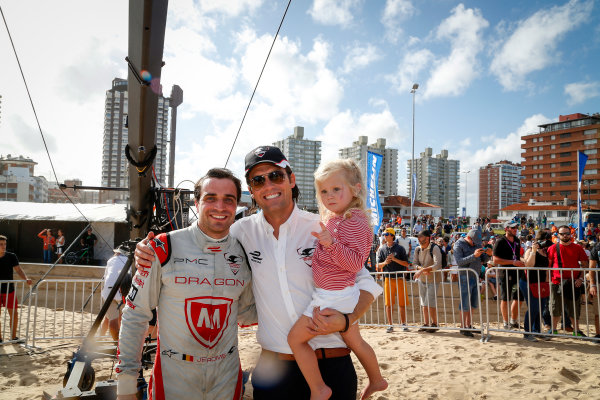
<point x="335" y="267"/>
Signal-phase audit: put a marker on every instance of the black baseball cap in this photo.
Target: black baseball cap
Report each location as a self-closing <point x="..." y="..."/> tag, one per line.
<point x="266" y="154"/>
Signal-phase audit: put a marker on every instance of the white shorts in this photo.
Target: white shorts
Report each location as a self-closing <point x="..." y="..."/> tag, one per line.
<point x="342" y="300"/>
<point x="113" y="310"/>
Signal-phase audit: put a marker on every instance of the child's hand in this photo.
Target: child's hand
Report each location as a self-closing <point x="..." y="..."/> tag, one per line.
<point x="325" y="238"/>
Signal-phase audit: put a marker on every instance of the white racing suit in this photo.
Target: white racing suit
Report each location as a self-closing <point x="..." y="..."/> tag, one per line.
<point x="201" y="289"/>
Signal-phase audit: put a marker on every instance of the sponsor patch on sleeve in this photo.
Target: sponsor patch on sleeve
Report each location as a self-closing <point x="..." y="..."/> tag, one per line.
<point x="162" y="247"/>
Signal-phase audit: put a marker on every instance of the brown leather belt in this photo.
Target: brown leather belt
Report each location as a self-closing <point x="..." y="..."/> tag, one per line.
<point x="320" y="353"/>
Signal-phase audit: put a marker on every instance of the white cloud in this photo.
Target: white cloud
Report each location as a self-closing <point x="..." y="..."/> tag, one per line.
<point x="360" y="56"/>
<point x="231" y="8"/>
<point x="452" y="75"/>
<point x="532" y="46"/>
<point x="344" y="128"/>
<point x="395" y="12"/>
<point x="497" y="148"/>
<point x="408" y="70"/>
<point x="333" y="12"/>
<point x="579" y="92"/>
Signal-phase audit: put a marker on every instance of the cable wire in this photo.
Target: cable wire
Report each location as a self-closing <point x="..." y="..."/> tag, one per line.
<point x="257" y="82"/>
<point x="40" y="127"/>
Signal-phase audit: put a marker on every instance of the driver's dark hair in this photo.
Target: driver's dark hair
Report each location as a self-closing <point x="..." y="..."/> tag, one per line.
<point x="218" y="173"/>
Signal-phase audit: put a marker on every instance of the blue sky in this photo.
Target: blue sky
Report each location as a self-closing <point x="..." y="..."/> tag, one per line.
<point x="488" y="72"/>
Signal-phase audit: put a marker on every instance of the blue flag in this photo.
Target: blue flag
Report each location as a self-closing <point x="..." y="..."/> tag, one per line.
<point x="414" y="187"/>
<point x="581" y="161"/>
<point x="373" y="166"/>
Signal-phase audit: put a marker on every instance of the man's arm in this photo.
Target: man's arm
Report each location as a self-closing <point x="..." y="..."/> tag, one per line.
<point x="21" y="273"/>
<point x="329" y="321"/>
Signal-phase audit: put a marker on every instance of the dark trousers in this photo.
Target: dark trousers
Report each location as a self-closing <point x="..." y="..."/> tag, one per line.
<point x="275" y="379"/>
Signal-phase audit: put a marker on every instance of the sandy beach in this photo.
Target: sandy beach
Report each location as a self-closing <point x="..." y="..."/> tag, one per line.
<point x="417" y="365"/>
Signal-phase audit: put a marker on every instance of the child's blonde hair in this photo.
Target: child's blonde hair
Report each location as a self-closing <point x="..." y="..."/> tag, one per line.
<point x="353" y="176"/>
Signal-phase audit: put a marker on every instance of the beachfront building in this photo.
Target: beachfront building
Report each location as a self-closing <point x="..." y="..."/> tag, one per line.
<point x="499" y="186"/>
<point x="305" y="156"/>
<point x="18" y="183"/>
<point x="388" y="174"/>
<point x="550" y="160"/>
<point x="437" y="180"/>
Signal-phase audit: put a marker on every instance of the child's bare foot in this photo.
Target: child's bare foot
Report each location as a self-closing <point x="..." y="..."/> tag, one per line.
<point x="373" y="387"/>
<point x="322" y="394"/>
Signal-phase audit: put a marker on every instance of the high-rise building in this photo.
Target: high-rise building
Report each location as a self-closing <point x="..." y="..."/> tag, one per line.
<point x="437" y="180"/>
<point x="305" y="156"/>
<point x="550" y="160"/>
<point x="114" y="163"/>
<point x="388" y="175"/>
<point x="499" y="186"/>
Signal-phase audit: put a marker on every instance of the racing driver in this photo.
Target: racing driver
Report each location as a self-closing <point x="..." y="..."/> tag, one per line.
<point x="200" y="284"/>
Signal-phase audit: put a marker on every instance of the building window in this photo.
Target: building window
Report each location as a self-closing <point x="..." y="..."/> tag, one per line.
<point x="565" y="154"/>
<point x="591" y="151"/>
<point x="535" y="158"/>
<point x="562" y="213"/>
<point x="552" y="146"/>
<point x="565" y="144"/>
<point x="565" y="164"/>
<point x="565" y="183"/>
<point x="553" y="137"/>
<point x="590" y="131"/>
<point x="565" y="173"/>
<point x="590" y="141"/>
<point x="565" y="135"/>
<point x="553" y="174"/>
<point x="590" y="171"/>
<point x="553" y="165"/>
<point x="553" y="155"/>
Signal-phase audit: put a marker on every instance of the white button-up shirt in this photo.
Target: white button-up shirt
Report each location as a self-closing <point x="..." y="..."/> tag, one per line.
<point x="282" y="276"/>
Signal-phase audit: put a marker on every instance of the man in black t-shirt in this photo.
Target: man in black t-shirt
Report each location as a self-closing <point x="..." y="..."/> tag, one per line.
<point x="89" y="240"/>
<point x="507" y="252"/>
<point x="8" y="299"/>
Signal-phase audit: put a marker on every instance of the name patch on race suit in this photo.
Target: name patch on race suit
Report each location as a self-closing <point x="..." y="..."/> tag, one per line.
<point x="162" y="247"/>
<point x="207" y="318"/>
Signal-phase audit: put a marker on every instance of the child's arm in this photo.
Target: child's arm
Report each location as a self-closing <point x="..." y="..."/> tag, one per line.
<point x="353" y="245"/>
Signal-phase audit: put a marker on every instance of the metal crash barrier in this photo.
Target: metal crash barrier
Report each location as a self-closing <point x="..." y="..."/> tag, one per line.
<point x="410" y="316"/>
<point x="534" y="310"/>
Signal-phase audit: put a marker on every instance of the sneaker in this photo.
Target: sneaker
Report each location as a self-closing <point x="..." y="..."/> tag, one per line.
<point x="466" y="333"/>
<point x="424" y="329"/>
<point x="515" y="325"/>
<point x="495" y="297"/>
<point x="579" y="333"/>
<point x="433" y="328"/>
<point x="569" y="329"/>
<point x="506" y="326"/>
<point x="530" y="338"/>
<point x="552" y="332"/>
<point x="404" y="328"/>
<point x="390" y="329"/>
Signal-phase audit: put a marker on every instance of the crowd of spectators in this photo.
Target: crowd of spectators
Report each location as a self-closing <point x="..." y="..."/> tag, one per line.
<point x="524" y="243"/>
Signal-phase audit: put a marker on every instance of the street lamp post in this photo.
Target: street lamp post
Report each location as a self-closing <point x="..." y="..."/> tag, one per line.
<point x="466" y="187"/>
<point x="412" y="160"/>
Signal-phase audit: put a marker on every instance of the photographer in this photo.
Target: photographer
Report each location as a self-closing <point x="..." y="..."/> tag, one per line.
<point x="534" y="284"/>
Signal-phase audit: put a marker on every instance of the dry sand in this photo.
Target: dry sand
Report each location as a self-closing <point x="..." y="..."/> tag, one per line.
<point x="417" y="365"/>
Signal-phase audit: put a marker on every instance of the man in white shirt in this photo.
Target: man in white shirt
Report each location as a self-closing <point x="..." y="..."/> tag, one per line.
<point x="279" y="245"/>
<point x="113" y="268"/>
<point x="404" y="241"/>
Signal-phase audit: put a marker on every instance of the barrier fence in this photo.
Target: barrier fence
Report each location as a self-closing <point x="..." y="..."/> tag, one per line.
<point x="66" y="309"/>
<point x="574" y="309"/>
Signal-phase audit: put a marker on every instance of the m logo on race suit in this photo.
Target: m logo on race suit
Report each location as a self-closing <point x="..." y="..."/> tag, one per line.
<point x="306" y="255"/>
<point x="207" y="318"/>
<point x="234" y="262"/>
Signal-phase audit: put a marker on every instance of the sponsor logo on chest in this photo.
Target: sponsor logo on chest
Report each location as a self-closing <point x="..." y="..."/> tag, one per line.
<point x="207" y="318"/>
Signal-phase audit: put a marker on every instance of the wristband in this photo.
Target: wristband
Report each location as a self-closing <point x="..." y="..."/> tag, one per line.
<point x="347" y="324"/>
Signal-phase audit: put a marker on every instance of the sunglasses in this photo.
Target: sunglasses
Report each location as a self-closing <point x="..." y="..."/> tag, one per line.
<point x="564" y="233"/>
<point x="387" y="234"/>
<point x="274" y="176"/>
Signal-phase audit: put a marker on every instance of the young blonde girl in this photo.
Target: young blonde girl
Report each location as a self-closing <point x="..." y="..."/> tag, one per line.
<point x="341" y="249"/>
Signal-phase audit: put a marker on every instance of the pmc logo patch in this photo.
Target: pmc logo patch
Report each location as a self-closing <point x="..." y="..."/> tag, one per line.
<point x="207" y="318"/>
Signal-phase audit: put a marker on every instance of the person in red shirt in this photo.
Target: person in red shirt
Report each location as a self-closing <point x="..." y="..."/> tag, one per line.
<point x="49" y="242"/>
<point x="566" y="286"/>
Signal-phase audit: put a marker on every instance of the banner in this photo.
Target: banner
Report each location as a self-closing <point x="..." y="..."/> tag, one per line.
<point x="373" y="166"/>
<point x="581" y="161"/>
